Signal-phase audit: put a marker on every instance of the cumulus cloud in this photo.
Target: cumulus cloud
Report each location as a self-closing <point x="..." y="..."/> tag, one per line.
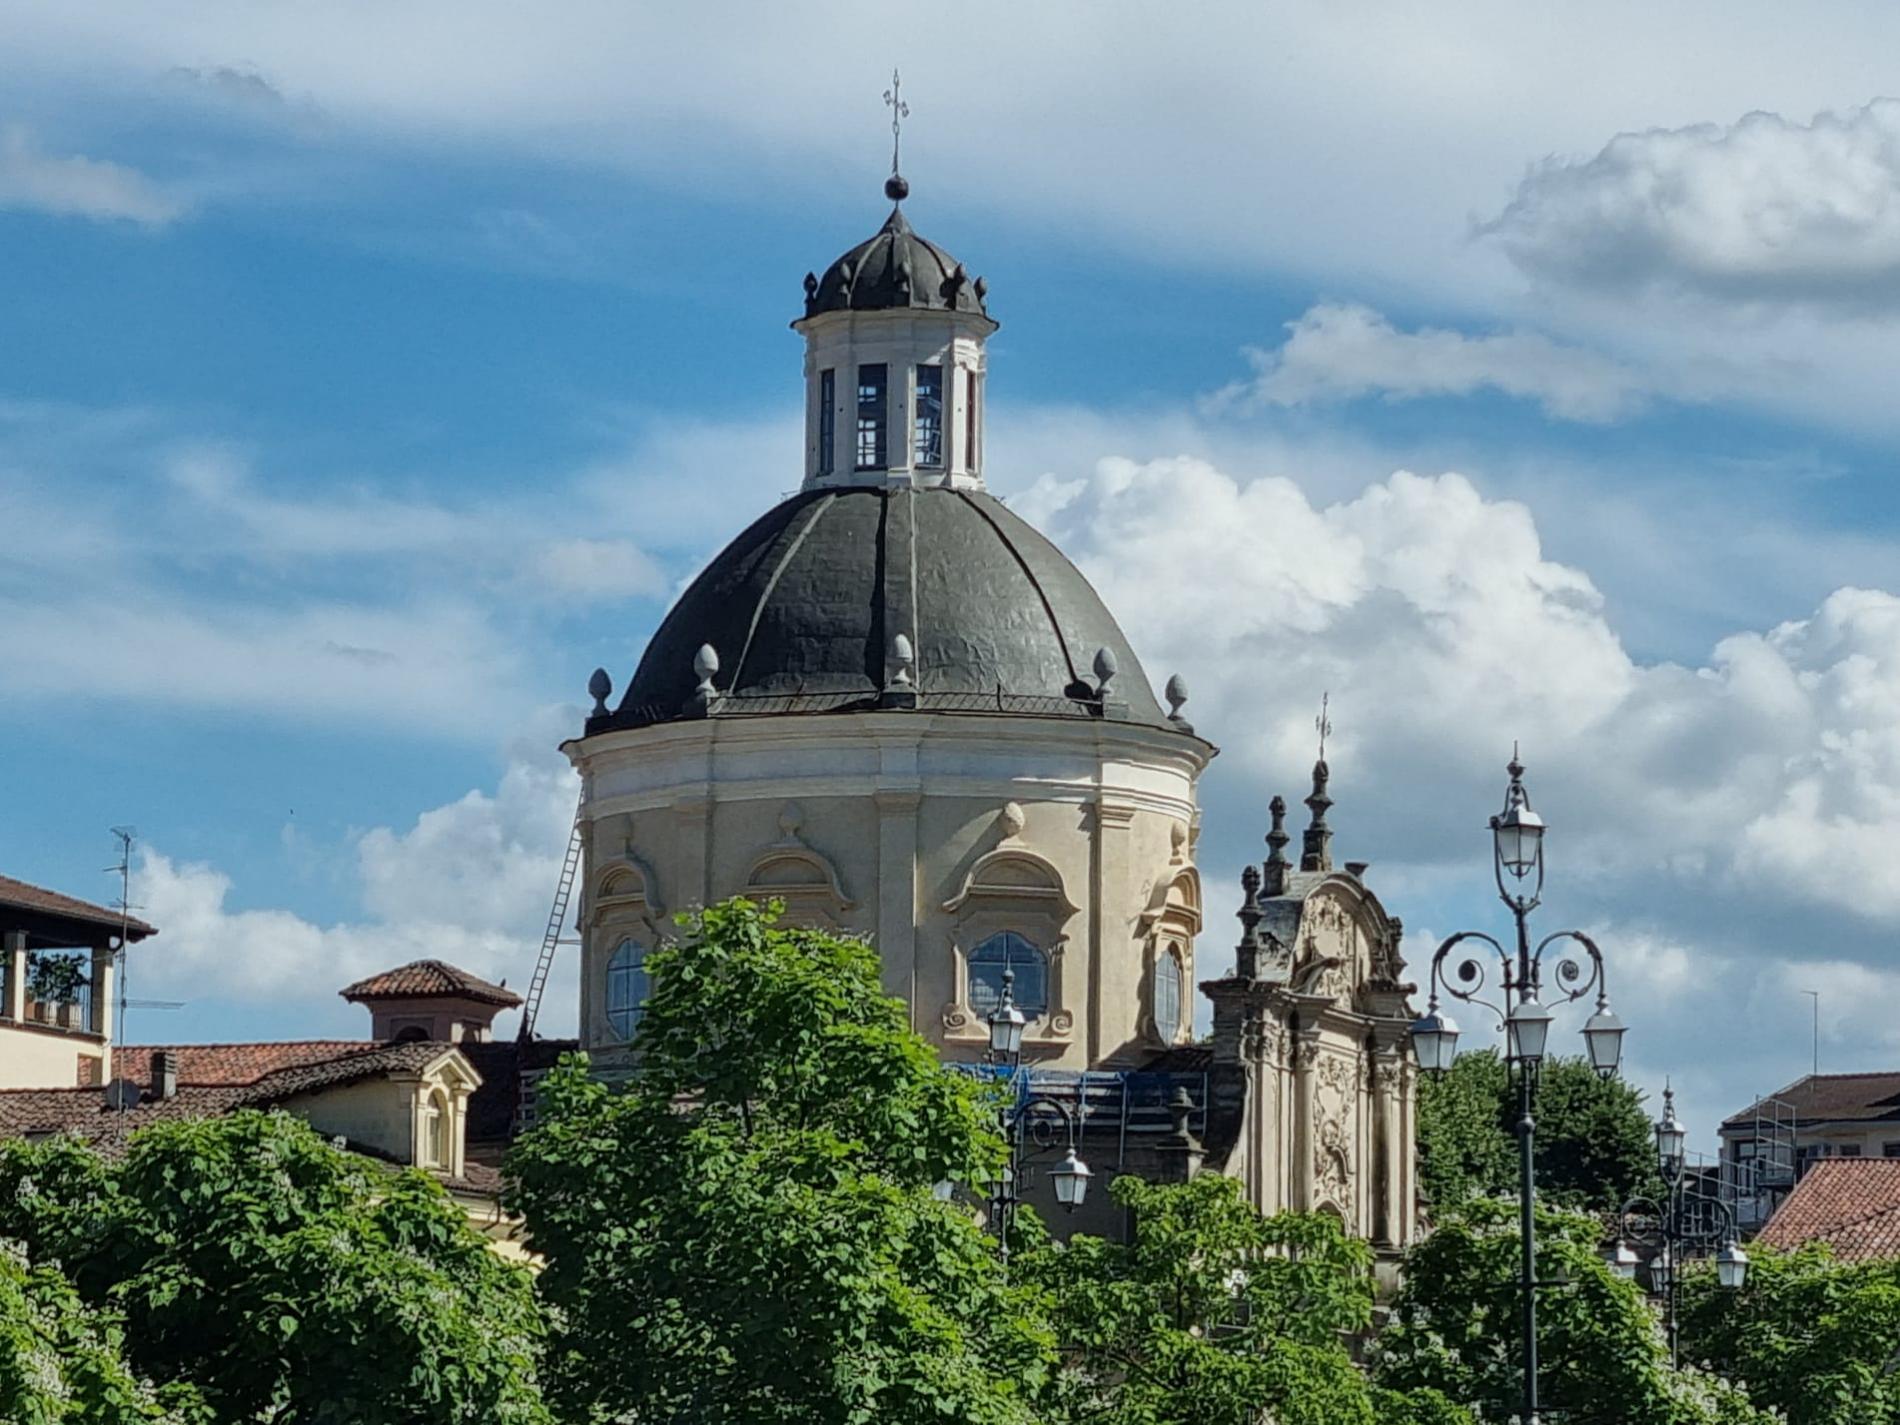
<point x="1762" y="210"/>
<point x="1342" y="352"/>
<point x="72" y="185"/>
<point x="1716" y="822"/>
<point x="469" y="882"/>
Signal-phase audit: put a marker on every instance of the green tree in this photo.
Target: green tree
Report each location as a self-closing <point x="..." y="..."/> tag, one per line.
<point x="746" y="1230"/>
<point x="287" y="1281"/>
<point x="1211" y="1314"/>
<point x="1595" y="1148"/>
<point x="63" y="1362"/>
<point x="1603" y="1360"/>
<point x="1813" y="1337"/>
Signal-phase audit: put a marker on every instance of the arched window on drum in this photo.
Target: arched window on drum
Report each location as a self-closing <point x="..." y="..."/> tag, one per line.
<point x="626" y="987"/>
<point x="1008" y="951"/>
<point x="1167" y="993"/>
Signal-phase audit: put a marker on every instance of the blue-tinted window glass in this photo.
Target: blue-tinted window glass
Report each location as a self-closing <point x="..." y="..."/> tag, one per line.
<point x="873" y="413"/>
<point x="1006" y="950"/>
<point x="927" y="443"/>
<point x="626" y="987"/>
<point x="1168" y="994"/>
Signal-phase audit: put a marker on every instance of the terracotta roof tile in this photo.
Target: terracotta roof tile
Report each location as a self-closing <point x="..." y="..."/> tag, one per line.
<point x="85" y="1112"/>
<point x="1830" y="1098"/>
<point x="421" y="978"/>
<point x="227" y="1065"/>
<point x="1851" y="1204"/>
<point x="24" y="896"/>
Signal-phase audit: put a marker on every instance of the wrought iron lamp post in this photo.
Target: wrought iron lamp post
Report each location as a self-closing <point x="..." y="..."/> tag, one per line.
<point x="1031" y="1123"/>
<point x="1576" y="965"/>
<point x="1685" y="1219"/>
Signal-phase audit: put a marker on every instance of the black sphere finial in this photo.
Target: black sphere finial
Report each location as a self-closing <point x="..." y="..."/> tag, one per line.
<point x="896" y="189"/>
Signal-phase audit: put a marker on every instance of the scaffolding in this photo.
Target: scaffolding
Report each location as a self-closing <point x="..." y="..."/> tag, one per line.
<point x="1759" y="1170"/>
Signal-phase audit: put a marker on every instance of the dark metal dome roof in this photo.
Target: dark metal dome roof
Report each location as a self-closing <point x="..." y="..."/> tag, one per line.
<point x="894" y="268"/>
<point x="804" y="608"/>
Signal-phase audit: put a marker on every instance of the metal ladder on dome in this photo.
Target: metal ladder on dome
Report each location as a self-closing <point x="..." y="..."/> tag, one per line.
<point x="552" y="939"/>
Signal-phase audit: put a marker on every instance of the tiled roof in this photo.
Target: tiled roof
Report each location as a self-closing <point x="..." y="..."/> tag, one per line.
<point x="229" y="1065"/>
<point x="1851" y="1204"/>
<point x="1830" y="1098"/>
<point x="422" y="978"/>
<point x="85" y="1111"/>
<point x="22" y="896"/>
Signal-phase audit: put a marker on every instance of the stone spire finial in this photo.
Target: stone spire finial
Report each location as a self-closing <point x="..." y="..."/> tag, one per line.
<point x="1316" y="853"/>
<point x="1277" y="839"/>
<point x="705" y="664"/>
<point x="1247" y="953"/>
<point x="598" y="687"/>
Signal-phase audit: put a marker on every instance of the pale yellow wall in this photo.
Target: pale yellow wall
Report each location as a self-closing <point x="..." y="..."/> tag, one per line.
<point x="901" y="807"/>
<point x="43" y="1058"/>
<point x="377" y="1113"/>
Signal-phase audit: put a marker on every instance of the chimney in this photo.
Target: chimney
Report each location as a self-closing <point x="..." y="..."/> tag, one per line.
<point x="164" y="1073"/>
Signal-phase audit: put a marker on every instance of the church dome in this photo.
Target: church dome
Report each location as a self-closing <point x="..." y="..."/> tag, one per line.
<point x="892" y="269"/>
<point x="805" y="608"/>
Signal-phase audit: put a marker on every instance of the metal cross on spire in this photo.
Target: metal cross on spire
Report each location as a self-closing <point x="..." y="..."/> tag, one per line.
<point x="900" y="111"/>
<point x="1323" y="724"/>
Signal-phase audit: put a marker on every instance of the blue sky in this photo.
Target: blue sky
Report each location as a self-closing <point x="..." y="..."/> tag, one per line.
<point x="367" y="381"/>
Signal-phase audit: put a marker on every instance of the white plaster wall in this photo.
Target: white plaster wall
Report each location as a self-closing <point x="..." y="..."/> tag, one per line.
<point x="901" y="806"/>
<point x="377" y="1113"/>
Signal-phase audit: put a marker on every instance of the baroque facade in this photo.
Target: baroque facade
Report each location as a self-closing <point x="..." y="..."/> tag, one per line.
<point x="893" y="705"/>
<point x="1314" y="1081"/>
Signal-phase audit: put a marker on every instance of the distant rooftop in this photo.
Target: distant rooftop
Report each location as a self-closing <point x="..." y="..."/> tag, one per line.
<point x="1852" y="1205"/>
<point x="1829" y="1098"/>
<point x="424" y="979"/>
<point x="48" y="916"/>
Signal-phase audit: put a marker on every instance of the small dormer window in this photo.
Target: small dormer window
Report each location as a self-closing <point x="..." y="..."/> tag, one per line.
<point x="827" y="420"/>
<point x="873" y="417"/>
<point x="927" y="432"/>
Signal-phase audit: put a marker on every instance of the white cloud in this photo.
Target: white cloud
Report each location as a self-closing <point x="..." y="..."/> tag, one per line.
<point x="1761" y="210"/>
<point x="75" y="186"/>
<point x="1716" y="821"/>
<point x="469" y="882"/>
<point x="1340" y="353"/>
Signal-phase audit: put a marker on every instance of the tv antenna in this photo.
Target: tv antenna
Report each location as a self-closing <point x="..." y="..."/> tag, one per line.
<point x="126" y="836"/>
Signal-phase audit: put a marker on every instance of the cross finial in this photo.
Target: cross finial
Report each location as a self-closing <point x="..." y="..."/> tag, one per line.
<point x="1323" y="724"/>
<point x="900" y="111"/>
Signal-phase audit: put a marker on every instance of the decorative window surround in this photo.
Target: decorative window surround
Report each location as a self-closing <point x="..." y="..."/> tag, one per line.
<point x="1012" y="888"/>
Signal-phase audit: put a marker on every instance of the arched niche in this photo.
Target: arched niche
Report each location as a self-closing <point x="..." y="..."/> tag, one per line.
<point x="1011" y="891"/>
<point x="804" y="881"/>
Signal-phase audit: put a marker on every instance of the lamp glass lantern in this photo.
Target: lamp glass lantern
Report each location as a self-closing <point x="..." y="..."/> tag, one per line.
<point x="1071" y="1178"/>
<point x="1603" y="1042"/>
<point x="1519" y="838"/>
<point x="1731" y="1266"/>
<point x="1622" y="1260"/>
<point x="1670" y="1138"/>
<point x="1435" y="1041"/>
<point x="1006" y="1021"/>
<point x="1527" y="1030"/>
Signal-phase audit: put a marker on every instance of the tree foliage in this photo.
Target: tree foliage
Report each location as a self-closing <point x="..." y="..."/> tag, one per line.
<point x="1813" y="1337"/>
<point x="1211" y="1314"/>
<point x="285" y="1280"/>
<point x="63" y="1362"/>
<point x="1594" y="1139"/>
<point x="746" y="1231"/>
<point x="1603" y="1360"/>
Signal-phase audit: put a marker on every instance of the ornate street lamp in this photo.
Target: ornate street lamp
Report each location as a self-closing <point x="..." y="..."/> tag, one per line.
<point x="1576" y="966"/>
<point x="1030" y="1123"/>
<point x="1685" y="1221"/>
